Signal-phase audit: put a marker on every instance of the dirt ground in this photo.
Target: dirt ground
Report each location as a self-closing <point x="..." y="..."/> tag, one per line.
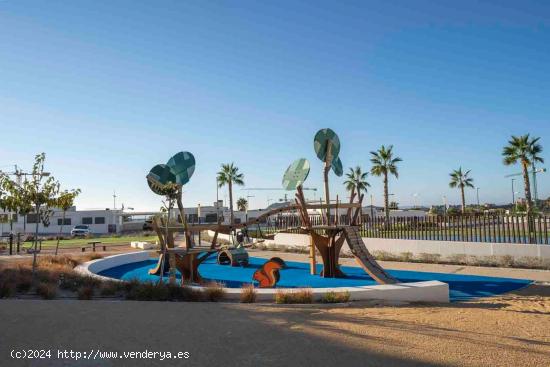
<point x="509" y="330"/>
<point x="513" y="330"/>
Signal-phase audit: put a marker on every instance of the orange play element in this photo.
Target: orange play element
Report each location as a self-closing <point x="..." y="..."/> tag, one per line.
<point x="268" y="275"/>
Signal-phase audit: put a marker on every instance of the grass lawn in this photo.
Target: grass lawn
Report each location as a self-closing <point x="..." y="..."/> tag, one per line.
<point x="76" y="242"/>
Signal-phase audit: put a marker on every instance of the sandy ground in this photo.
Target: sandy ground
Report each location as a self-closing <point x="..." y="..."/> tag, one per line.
<point x="513" y="330"/>
<point x="510" y="330"/>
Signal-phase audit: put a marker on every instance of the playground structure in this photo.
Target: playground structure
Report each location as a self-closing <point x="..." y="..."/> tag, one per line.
<point x="179" y="250"/>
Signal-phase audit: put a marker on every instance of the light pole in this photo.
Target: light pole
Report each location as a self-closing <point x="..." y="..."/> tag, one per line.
<point x="513" y="192"/>
<point x="477" y="191"/>
<point x="445" y="203"/>
<point x="415" y="197"/>
<point x="371" y="208"/>
<point x="217" y="203"/>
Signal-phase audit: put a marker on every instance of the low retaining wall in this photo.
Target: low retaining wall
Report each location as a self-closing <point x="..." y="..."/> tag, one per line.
<point x="442" y="248"/>
<point x="449" y="248"/>
<point x="430" y="291"/>
<point x="96" y="266"/>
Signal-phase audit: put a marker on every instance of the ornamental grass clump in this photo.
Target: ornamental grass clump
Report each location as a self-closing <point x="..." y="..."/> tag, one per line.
<point x="248" y="294"/>
<point x="335" y="297"/>
<point x="214" y="292"/>
<point x="301" y="296"/>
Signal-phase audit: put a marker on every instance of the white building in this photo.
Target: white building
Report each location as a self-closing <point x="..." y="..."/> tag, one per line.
<point x="100" y="221"/>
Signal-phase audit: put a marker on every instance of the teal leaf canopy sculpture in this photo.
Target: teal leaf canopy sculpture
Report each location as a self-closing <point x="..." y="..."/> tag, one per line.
<point x="161" y="179"/>
<point x="324" y="139"/>
<point x="182" y="166"/>
<point x="296" y="174"/>
<point x="166" y="179"/>
<point x="337" y="167"/>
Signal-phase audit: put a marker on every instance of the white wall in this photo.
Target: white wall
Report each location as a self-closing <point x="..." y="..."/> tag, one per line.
<point x="111" y="217"/>
<point x="443" y="248"/>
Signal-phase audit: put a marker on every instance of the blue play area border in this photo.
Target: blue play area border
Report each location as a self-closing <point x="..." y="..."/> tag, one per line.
<point x="296" y="275"/>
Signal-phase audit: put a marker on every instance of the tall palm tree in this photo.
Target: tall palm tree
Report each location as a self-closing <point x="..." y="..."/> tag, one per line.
<point x="384" y="164"/>
<point x="242" y="204"/>
<point x="357" y="182"/>
<point x="526" y="151"/>
<point x="229" y="175"/>
<point x="461" y="180"/>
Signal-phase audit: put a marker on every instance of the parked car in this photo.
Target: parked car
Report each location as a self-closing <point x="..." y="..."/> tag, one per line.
<point x="81" y="231"/>
<point x="148" y="225"/>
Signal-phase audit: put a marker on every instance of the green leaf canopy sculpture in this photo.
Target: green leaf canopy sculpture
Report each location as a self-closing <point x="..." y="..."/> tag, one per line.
<point x="296" y="174"/>
<point x="161" y="180"/>
<point x="166" y="179"/>
<point x="326" y="140"/>
<point x="182" y="166"/>
<point x="337" y="167"/>
<point x="327" y="147"/>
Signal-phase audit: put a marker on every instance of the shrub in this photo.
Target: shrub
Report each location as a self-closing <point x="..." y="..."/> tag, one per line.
<point x="214" y="292"/>
<point x="406" y="256"/>
<point x="384" y="256"/>
<point x="110" y="288"/>
<point x="46" y="291"/>
<point x="529" y="262"/>
<point x="23" y="280"/>
<point x="148" y="291"/>
<point x="429" y="258"/>
<point x="73" y="281"/>
<point x="336" y="297"/>
<point x="85" y="293"/>
<point x="294" y="296"/>
<point x="63" y="260"/>
<point x="7" y="286"/>
<point x="185" y="293"/>
<point x="248" y="294"/>
<point x="506" y="261"/>
<point x="93" y="256"/>
<point x="459" y="259"/>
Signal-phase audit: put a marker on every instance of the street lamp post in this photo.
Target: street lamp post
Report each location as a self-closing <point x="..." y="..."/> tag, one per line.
<point x="217" y="203"/>
<point x="371" y="208"/>
<point x="513" y="192"/>
<point x="477" y="189"/>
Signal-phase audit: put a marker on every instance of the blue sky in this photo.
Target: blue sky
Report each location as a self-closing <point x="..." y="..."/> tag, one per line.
<point x="108" y="89"/>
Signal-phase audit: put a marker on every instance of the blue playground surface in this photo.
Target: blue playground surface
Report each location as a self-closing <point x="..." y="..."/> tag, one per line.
<point x="296" y="275"/>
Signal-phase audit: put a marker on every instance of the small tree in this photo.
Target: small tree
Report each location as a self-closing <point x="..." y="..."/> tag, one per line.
<point x="42" y="193"/>
<point x="64" y="202"/>
<point x="461" y="180"/>
<point x="242" y="204"/>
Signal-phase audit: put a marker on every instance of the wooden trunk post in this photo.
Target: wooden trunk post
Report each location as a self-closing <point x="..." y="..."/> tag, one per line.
<point x="302" y="207"/>
<point x="328" y="161"/>
<point x="182" y="215"/>
<point x="313" y="260"/>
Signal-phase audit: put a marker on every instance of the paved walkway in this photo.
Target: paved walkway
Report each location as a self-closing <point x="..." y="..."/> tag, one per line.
<point x="501" y="332"/>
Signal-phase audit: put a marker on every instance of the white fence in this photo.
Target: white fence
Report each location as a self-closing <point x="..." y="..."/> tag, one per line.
<point x="442" y="248"/>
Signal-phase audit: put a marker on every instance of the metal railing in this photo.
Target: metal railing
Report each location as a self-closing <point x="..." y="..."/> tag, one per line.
<point x="466" y="228"/>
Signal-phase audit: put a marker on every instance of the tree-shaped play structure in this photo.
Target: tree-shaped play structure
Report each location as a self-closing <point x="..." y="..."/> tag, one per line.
<point x="179" y="251"/>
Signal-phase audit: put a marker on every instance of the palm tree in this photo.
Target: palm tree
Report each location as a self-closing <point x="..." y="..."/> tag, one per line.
<point x="384" y="164"/>
<point x="357" y="182"/>
<point x="461" y="180"/>
<point x="229" y="175"/>
<point x="526" y="151"/>
<point x="242" y="204"/>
